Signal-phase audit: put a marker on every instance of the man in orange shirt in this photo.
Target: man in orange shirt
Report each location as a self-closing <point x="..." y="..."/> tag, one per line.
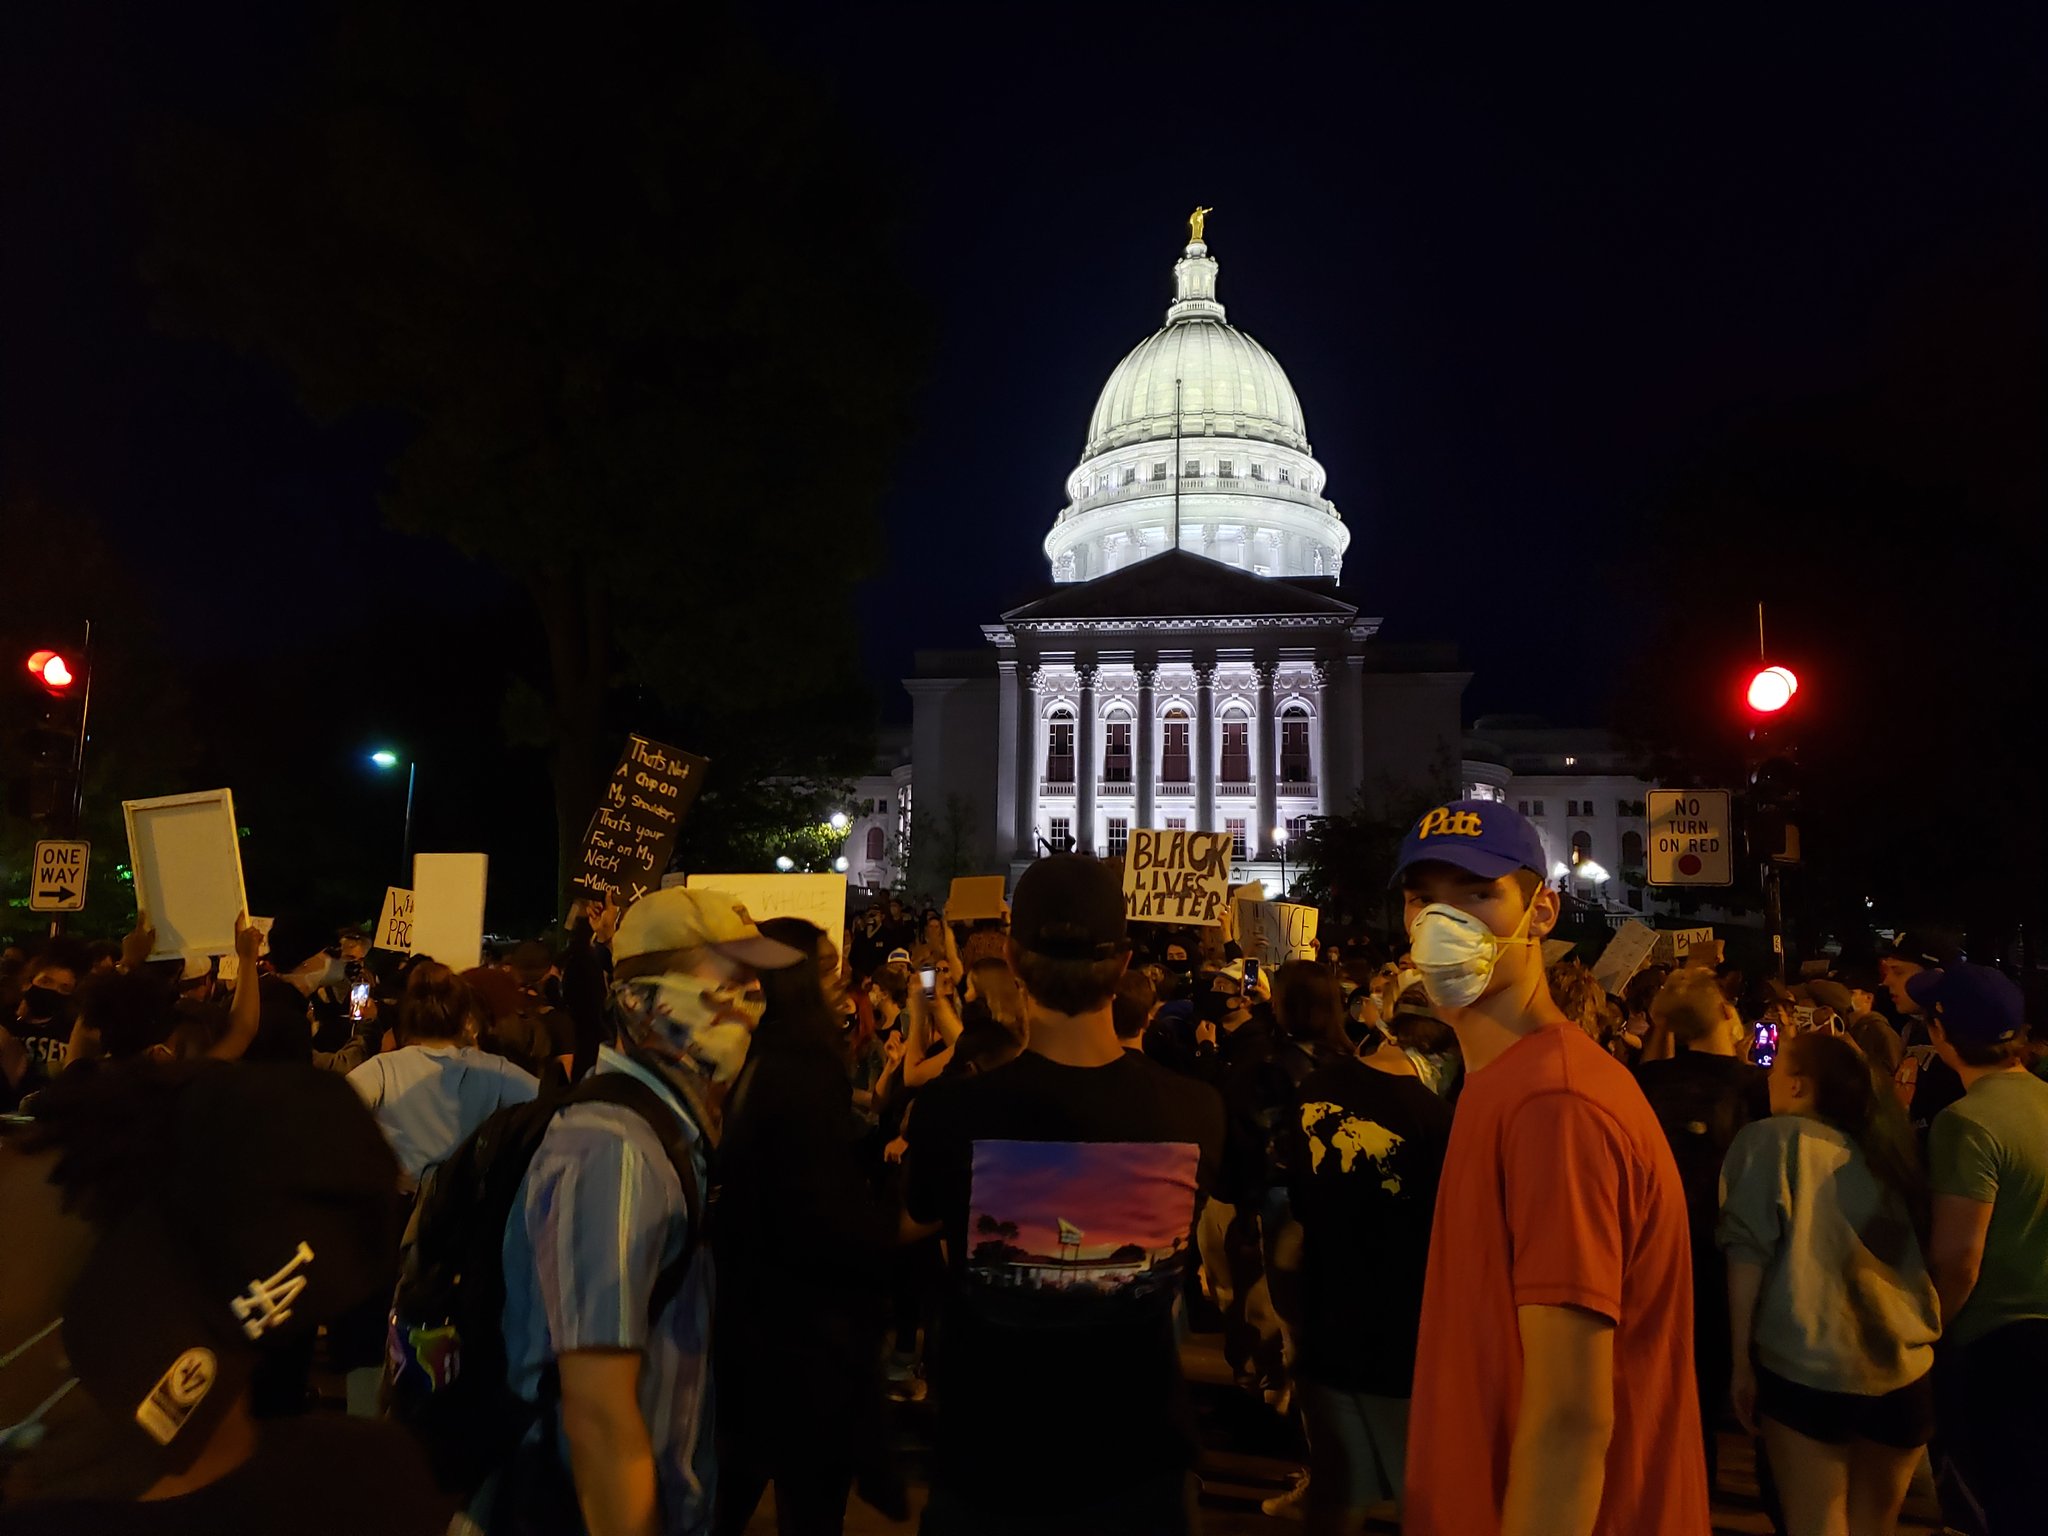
<point x="1553" y="1375"/>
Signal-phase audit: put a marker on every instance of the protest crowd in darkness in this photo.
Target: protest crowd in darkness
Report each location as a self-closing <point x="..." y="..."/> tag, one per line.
<point x="618" y="1227"/>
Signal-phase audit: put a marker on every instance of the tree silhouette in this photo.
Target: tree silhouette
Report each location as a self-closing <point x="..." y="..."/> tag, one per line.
<point x="577" y="258"/>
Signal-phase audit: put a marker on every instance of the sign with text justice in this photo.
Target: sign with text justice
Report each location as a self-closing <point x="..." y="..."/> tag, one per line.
<point x="633" y="832"/>
<point x="1177" y="877"/>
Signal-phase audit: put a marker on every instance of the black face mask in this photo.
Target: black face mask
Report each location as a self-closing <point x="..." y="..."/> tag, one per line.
<point x="46" y="1005"/>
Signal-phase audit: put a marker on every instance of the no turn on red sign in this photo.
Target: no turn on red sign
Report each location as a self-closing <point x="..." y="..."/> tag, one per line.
<point x="1692" y="840"/>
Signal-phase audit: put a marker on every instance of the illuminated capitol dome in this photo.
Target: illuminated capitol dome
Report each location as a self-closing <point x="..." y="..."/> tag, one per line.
<point x="1197" y="428"/>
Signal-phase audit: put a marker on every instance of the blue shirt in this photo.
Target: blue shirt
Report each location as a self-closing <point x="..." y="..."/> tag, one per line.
<point x="599" y="1216"/>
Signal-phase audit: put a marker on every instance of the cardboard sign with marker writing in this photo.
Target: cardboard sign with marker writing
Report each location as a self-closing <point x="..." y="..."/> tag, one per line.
<point x="394" y="925"/>
<point x="819" y="900"/>
<point x="632" y="834"/>
<point x="1177" y="877"/>
<point x="1624" y="956"/>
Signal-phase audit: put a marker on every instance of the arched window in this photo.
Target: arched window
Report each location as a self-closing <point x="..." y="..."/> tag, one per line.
<point x="1582" y="848"/>
<point x="1631" y="850"/>
<point x="874" y="845"/>
<point x="1237" y="749"/>
<point x="1059" y="748"/>
<point x="1173" y="759"/>
<point x="1295" y="767"/>
<point x="1116" y="749"/>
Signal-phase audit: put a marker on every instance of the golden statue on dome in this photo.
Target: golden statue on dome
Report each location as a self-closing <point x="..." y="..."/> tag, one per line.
<point x="1197" y="221"/>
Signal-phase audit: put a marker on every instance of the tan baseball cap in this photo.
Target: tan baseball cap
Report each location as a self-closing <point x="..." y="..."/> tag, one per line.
<point x="684" y="917"/>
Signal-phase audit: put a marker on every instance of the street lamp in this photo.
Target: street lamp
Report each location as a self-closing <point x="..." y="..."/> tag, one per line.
<point x="841" y="864"/>
<point x="785" y="863"/>
<point x="1280" y="842"/>
<point x="838" y="821"/>
<point x="1588" y="870"/>
<point x="387" y="759"/>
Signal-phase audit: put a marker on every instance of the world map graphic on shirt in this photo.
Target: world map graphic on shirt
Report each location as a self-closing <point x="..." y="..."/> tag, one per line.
<point x="1330" y="1129"/>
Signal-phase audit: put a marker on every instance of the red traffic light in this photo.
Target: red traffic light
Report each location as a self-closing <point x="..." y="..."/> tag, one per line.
<point x="52" y="671"/>
<point x="1771" y="689"/>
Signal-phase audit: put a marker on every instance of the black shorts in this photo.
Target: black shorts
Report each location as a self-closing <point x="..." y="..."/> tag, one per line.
<point x="1903" y="1419"/>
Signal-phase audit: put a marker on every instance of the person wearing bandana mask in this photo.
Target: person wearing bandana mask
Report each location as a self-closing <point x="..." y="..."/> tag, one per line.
<point x="1554" y="1385"/>
<point x="602" y="1213"/>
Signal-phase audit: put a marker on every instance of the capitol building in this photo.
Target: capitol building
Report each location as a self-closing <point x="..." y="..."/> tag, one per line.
<point x="1190" y="664"/>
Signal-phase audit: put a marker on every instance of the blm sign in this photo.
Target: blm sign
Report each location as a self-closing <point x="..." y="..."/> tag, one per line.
<point x="1177" y="877"/>
<point x="633" y="832"/>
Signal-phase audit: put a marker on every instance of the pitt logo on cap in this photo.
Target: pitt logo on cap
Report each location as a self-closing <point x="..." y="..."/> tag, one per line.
<point x="1445" y="822"/>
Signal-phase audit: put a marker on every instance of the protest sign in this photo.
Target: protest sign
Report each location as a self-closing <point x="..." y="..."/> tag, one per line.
<point x="974" y="897"/>
<point x="1674" y="945"/>
<point x="187" y="860"/>
<point x="1624" y="956"/>
<point x="448" y="907"/>
<point x="818" y="899"/>
<point x="633" y="831"/>
<point x="1555" y="950"/>
<point x="1275" y="932"/>
<point x="1177" y="877"/>
<point x="394" y="924"/>
<point x="231" y="962"/>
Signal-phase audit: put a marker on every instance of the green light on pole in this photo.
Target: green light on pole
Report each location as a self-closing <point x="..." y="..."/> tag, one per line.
<point x="387" y="759"/>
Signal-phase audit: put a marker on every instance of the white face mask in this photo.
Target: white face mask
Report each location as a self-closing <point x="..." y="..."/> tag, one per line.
<point x="1456" y="952"/>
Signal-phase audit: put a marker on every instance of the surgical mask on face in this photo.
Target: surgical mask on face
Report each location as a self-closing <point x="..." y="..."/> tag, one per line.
<point x="704" y="1023"/>
<point x="1456" y="953"/>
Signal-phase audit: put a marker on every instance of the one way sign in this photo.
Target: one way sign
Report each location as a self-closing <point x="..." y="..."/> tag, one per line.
<point x="57" y="877"/>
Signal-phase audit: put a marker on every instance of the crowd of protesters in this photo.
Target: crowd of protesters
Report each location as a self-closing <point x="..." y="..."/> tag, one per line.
<point x="618" y="1234"/>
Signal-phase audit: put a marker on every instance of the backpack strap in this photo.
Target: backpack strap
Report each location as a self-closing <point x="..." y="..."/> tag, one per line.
<point x="630" y="1093"/>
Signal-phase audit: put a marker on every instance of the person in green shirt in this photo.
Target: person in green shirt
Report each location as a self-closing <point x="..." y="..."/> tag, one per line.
<point x="1988" y="1164"/>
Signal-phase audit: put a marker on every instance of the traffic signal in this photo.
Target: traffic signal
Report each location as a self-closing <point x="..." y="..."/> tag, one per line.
<point x="54" y="671"/>
<point x="1771" y="689"/>
<point x="46" y="747"/>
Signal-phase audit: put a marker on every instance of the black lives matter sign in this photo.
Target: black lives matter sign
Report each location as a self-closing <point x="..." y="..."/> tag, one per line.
<point x="1177" y="877"/>
<point x="634" y="831"/>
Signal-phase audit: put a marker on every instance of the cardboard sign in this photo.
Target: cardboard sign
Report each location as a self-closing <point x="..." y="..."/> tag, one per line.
<point x="1677" y="944"/>
<point x="448" y="907"/>
<point x="632" y="834"/>
<point x="231" y="963"/>
<point x="976" y="896"/>
<point x="1555" y="950"/>
<point x="819" y="900"/>
<point x="1275" y="932"/>
<point x="394" y="924"/>
<point x="56" y="880"/>
<point x="187" y="860"/>
<point x="1177" y="877"/>
<point x="1625" y="954"/>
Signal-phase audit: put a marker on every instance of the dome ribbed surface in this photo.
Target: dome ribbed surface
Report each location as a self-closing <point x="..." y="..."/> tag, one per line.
<point x="1230" y="386"/>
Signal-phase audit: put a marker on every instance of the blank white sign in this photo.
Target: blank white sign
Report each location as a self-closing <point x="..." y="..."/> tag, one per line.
<point x="448" y="907"/>
<point x="187" y="861"/>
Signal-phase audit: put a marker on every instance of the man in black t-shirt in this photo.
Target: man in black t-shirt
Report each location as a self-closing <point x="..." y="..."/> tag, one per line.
<point x="1066" y="1183"/>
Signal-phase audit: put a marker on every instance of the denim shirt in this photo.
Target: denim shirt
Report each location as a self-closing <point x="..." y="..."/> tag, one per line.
<point x="598" y="1217"/>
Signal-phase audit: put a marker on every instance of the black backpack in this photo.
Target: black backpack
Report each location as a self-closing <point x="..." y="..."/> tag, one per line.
<point x="445" y="1369"/>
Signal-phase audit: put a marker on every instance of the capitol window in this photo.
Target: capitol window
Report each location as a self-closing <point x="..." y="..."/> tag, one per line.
<point x="1059" y="754"/>
<point x="1159" y="470"/>
<point x="1258" y="471"/>
<point x="1192" y="470"/>
<point x="1130" y="474"/>
<point x="1240" y="847"/>
<point x="1287" y="477"/>
<point x="1176" y="823"/>
<point x="1059" y="832"/>
<point x="1224" y="471"/>
<point x="1119" y="836"/>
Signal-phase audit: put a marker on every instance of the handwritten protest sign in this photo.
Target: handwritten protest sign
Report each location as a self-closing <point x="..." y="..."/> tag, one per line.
<point x="394" y="925"/>
<point x="1677" y="944"/>
<point x="187" y="859"/>
<point x="448" y="907"/>
<point x="633" y="831"/>
<point x="1624" y="955"/>
<point x="1177" y="877"/>
<point x="1274" y="932"/>
<point x="819" y="900"/>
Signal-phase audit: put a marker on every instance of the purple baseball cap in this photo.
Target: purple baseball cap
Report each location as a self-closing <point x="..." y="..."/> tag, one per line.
<point x="1973" y="1004"/>
<point x="1488" y="838"/>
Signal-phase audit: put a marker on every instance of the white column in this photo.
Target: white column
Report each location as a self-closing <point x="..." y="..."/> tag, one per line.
<point x="1269" y="758"/>
<point x="1086" y="748"/>
<point x="1205" y="745"/>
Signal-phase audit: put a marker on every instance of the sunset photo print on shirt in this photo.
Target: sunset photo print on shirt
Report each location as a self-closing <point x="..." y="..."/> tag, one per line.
<point x="1068" y="1228"/>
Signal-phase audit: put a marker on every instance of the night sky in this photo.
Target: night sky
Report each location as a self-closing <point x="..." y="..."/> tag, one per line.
<point x="1524" y="278"/>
